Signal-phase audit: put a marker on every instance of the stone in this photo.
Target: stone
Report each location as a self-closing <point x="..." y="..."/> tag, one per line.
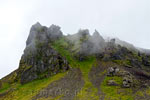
<point x="112" y="83"/>
<point x="127" y="81"/>
<point x="117" y="70"/>
<point x="113" y="71"/>
<point x="126" y="84"/>
<point x="124" y="73"/>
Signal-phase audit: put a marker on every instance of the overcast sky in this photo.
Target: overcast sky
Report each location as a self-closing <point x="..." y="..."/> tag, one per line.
<point x="128" y="20"/>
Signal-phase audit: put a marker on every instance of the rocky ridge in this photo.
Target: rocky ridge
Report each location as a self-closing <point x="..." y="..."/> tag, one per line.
<point x="89" y="67"/>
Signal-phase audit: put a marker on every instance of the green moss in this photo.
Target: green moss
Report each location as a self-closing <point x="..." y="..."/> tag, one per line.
<point x="122" y="62"/>
<point x="60" y="46"/>
<point x="140" y="93"/>
<point x="88" y="92"/>
<point x="5" y="87"/>
<point x="27" y="67"/>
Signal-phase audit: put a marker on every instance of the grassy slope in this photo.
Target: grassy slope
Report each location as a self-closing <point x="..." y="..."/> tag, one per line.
<point x="25" y="92"/>
<point x="116" y="92"/>
<point x="88" y="92"/>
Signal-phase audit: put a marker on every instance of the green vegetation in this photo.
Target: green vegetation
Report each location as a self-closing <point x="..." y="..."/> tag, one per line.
<point x="116" y="92"/>
<point x="5" y="87"/>
<point x="27" y="91"/>
<point x="60" y="46"/>
<point x="122" y="62"/>
<point x="88" y="91"/>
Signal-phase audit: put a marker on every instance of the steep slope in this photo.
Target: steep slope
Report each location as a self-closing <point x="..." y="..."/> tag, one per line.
<point x="76" y="67"/>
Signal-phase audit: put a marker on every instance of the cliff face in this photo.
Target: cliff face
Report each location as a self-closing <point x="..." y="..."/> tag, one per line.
<point x="77" y="67"/>
<point x="40" y="60"/>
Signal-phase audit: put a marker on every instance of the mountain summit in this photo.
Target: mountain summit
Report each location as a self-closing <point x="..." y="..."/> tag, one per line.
<point x="77" y="67"/>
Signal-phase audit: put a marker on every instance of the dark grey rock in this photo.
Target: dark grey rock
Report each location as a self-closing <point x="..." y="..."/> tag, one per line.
<point x="146" y="61"/>
<point x="44" y="63"/>
<point x="54" y="32"/>
<point x="135" y="63"/>
<point x="40" y="59"/>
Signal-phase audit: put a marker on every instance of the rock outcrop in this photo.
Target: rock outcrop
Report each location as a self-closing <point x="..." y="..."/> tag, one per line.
<point x="145" y="61"/>
<point x="40" y="59"/>
<point x="127" y="77"/>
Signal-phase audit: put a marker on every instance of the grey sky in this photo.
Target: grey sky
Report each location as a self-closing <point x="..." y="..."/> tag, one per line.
<point x="128" y="20"/>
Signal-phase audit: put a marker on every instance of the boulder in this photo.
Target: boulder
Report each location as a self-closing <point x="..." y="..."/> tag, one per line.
<point x="113" y="71"/>
<point x="127" y="81"/>
<point x="112" y="83"/>
<point x="126" y="84"/>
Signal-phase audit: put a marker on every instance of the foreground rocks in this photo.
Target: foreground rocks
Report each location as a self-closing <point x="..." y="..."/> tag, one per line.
<point x="127" y="78"/>
<point x="127" y="81"/>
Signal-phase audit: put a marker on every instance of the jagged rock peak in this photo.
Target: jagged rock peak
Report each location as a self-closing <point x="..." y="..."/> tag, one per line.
<point x="43" y="33"/>
<point x="39" y="57"/>
<point x="83" y="32"/>
<point x="96" y="35"/>
<point x="54" y="32"/>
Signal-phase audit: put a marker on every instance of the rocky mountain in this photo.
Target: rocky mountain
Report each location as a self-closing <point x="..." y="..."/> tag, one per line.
<point x="77" y="67"/>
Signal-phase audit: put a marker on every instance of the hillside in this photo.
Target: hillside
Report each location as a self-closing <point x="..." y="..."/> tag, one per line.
<point x="77" y="67"/>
